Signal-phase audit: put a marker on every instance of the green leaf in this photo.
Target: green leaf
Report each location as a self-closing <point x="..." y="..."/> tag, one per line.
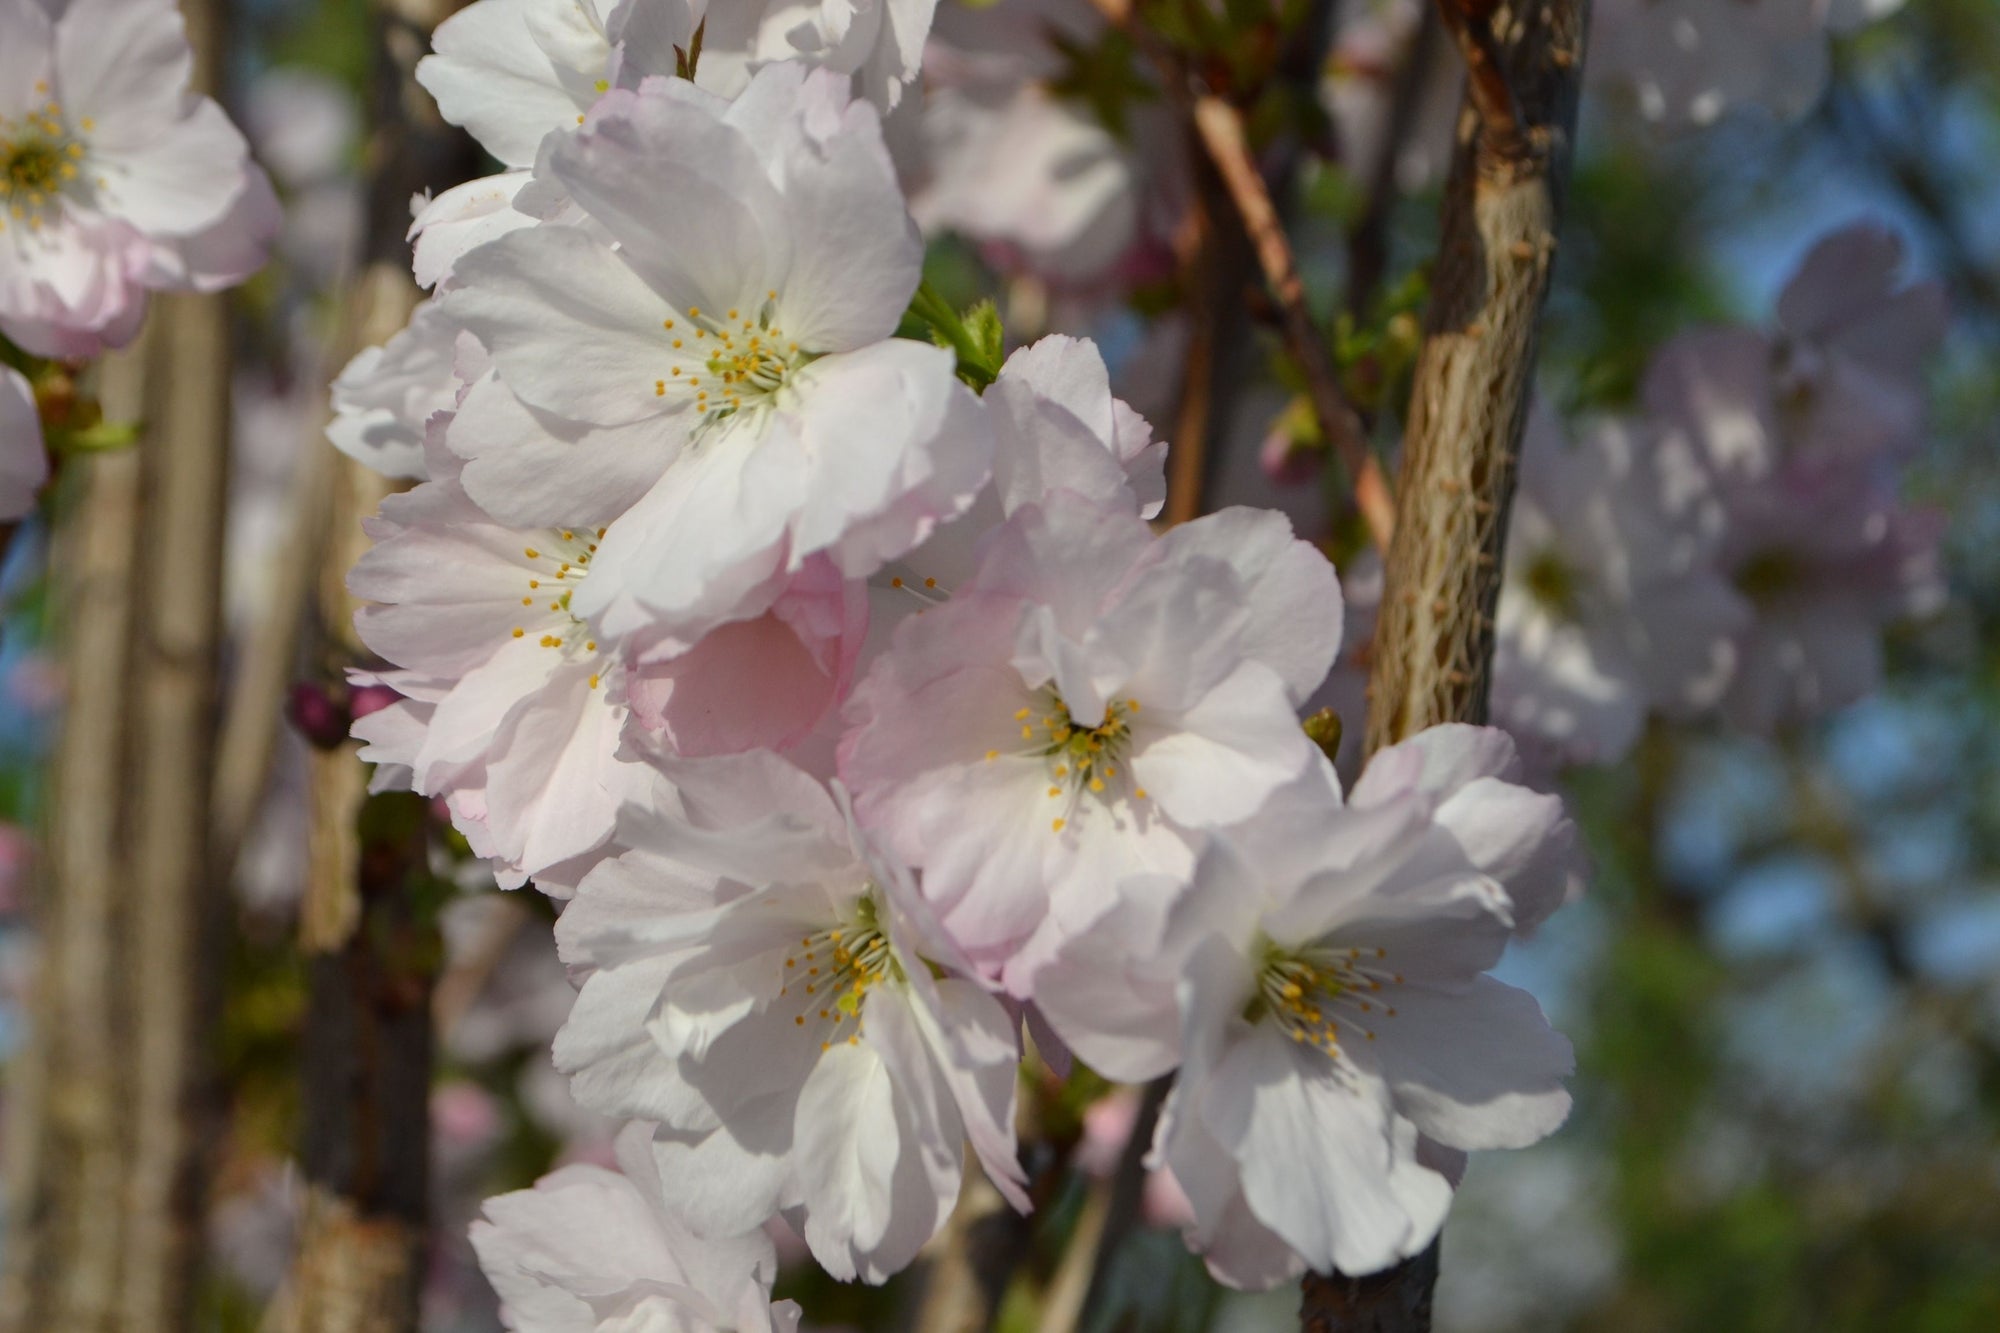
<point x="976" y="337"/>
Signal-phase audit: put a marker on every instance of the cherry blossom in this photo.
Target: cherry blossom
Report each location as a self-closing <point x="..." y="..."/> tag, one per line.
<point x="385" y="398"/>
<point x="1035" y="178"/>
<point x="589" y="1249"/>
<point x="514" y="715"/>
<point x="727" y="367"/>
<point x="765" y="983"/>
<point x="1799" y="434"/>
<point x="1841" y="379"/>
<point x="24" y="460"/>
<point x="115" y="179"/>
<point x="1081" y="708"/>
<point x="1611" y="605"/>
<point x="1341" y="1047"/>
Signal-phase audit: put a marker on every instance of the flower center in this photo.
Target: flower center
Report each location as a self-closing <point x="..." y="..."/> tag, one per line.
<point x="1768" y="575"/>
<point x="1552" y="583"/>
<point x="831" y="972"/>
<point x="1081" y="759"/>
<point x="554" y="565"/>
<point x="730" y="365"/>
<point x="1312" y="993"/>
<point x="37" y="158"/>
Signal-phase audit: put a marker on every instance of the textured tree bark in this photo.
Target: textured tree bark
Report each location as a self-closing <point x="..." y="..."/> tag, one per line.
<point x="371" y="949"/>
<point x="118" y="1107"/>
<point x="1434" y="641"/>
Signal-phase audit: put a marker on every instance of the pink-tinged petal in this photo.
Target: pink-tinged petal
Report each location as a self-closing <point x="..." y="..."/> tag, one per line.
<point x="1294" y="604"/>
<point x="570" y="328"/>
<point x="683" y="194"/>
<point x="125" y="64"/>
<point x="529" y="468"/>
<point x="858" y="256"/>
<point x="759" y="683"/>
<point x="894" y="445"/>
<point x="706" y="545"/>
<point x="177" y="181"/>
<point x="1217" y="762"/>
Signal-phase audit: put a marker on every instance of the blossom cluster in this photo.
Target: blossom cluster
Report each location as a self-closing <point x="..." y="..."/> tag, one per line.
<point x="1737" y="546"/>
<point x="865" y="724"/>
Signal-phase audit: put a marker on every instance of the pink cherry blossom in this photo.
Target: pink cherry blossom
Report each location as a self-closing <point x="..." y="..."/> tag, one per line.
<point x="726" y="370"/>
<point x="589" y="1250"/>
<point x="1341" y="1047"/>
<point x="757" y="977"/>
<point x="1081" y="708"/>
<point x="115" y="179"/>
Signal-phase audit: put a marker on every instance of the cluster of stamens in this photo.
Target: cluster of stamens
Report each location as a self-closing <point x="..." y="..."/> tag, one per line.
<point x="38" y="158"/>
<point x="1081" y="759"/>
<point x="832" y="971"/>
<point x="730" y="364"/>
<point x="1313" y="993"/>
<point x="559" y="560"/>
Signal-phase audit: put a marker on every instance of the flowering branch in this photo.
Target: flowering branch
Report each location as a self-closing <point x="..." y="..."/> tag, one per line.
<point x="1434" y="643"/>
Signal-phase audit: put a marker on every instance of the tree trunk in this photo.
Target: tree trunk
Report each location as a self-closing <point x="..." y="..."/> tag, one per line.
<point x="371" y="948"/>
<point x="117" y="1105"/>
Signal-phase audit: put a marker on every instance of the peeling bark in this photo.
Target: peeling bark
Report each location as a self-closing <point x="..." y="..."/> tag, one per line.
<point x="1433" y="651"/>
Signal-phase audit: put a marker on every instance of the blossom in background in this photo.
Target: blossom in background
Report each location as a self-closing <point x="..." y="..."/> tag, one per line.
<point x="24" y="459"/>
<point x="1081" y="708"/>
<point x="1840" y="381"/>
<point x="1801" y="434"/>
<point x="589" y="1249"/>
<point x="1340" y="1045"/>
<point x="1611" y="606"/>
<point x="727" y="366"/>
<point x="1826" y="561"/>
<point x="765" y="984"/>
<point x="115" y="179"/>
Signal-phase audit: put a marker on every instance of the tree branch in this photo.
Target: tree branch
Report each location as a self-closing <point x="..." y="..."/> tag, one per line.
<point x="1218" y="127"/>
<point x="1434" y="642"/>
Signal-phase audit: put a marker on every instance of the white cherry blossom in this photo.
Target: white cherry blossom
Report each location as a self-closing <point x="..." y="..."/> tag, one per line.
<point x="515" y="715"/>
<point x="1612" y="603"/>
<point x="385" y="399"/>
<point x="589" y="1250"/>
<point x="1087" y="703"/>
<point x="115" y="179"/>
<point x="1341" y="1045"/>
<point x="765" y="984"/>
<point x="727" y="366"/>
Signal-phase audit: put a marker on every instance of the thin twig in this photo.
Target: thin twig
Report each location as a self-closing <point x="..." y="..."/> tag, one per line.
<point x="1220" y="127"/>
